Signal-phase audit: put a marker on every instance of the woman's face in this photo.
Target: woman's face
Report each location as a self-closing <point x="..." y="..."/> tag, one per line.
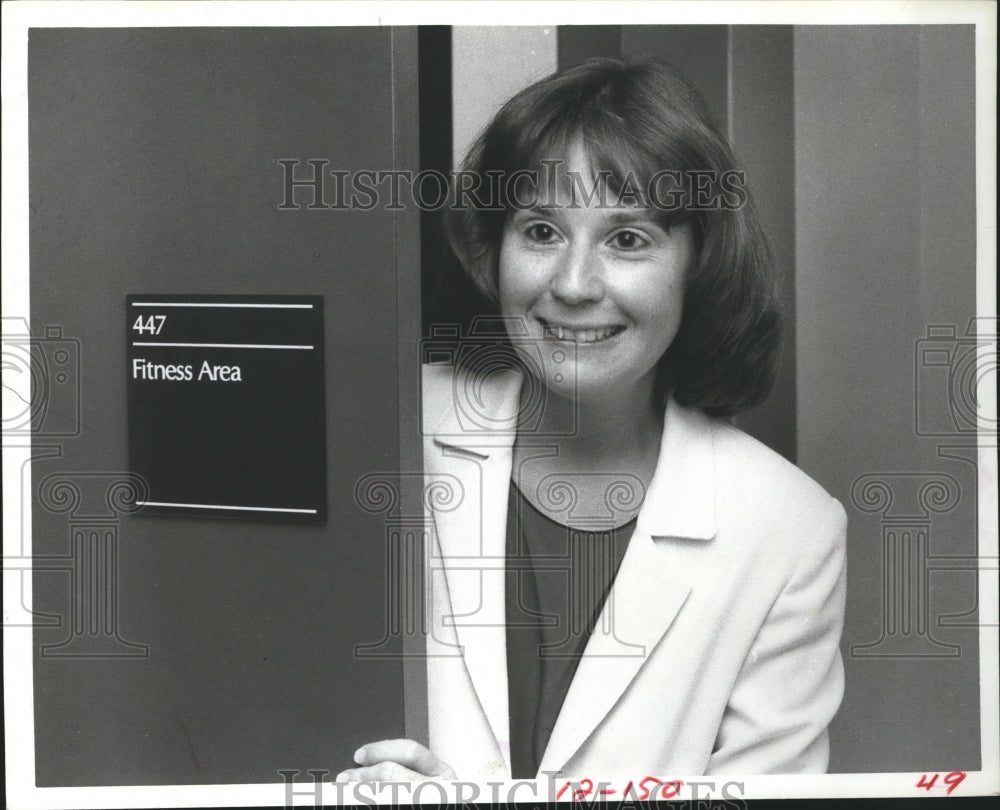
<point x="598" y="284"/>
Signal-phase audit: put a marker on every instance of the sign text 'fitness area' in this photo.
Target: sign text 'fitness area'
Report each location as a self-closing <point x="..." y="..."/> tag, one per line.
<point x="226" y="405"/>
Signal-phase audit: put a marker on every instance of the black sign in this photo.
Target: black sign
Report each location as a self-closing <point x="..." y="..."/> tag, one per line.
<point x="226" y="405"/>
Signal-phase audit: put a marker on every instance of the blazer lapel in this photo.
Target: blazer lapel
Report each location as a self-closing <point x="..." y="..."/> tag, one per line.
<point x="649" y="590"/>
<point x="471" y="535"/>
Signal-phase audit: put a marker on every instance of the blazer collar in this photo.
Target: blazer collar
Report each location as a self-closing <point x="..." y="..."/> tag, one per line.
<point x="482" y="419"/>
<point x="681" y="497"/>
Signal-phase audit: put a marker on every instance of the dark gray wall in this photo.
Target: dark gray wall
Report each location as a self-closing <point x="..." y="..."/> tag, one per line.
<point x="885" y="237"/>
<point x="154" y="169"/>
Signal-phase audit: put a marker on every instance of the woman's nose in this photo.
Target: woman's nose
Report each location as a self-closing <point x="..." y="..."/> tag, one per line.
<point x="578" y="278"/>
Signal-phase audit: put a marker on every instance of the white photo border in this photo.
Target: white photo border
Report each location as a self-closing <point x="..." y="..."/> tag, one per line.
<point x="20" y="16"/>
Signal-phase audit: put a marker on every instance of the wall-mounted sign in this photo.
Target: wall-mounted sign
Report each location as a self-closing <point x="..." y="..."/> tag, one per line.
<point x="226" y="410"/>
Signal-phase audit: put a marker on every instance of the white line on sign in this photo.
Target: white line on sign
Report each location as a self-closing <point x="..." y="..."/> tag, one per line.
<point x="236" y="508"/>
<point x="219" y="345"/>
<point x="244" y="306"/>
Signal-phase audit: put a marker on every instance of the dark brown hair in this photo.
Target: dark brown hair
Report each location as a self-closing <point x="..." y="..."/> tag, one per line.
<point x="637" y="119"/>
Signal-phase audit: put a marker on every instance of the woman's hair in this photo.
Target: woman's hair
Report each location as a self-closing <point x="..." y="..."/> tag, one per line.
<point x="640" y="121"/>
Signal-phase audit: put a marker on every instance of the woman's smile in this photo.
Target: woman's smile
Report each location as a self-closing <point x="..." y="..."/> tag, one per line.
<point x="579" y="333"/>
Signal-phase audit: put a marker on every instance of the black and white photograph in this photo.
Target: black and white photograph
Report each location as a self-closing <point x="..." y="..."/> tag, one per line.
<point x="487" y="403"/>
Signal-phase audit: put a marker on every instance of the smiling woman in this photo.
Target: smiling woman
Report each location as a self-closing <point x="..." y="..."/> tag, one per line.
<point x="607" y="279"/>
<point x="672" y="593"/>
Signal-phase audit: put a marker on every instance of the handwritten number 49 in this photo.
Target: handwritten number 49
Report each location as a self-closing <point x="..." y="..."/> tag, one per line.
<point x="952" y="780"/>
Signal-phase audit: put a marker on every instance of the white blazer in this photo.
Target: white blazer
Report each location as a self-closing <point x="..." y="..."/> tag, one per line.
<point x="717" y="651"/>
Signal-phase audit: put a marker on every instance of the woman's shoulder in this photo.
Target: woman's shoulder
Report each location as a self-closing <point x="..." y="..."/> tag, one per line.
<point x="457" y="401"/>
<point x="438" y="404"/>
<point x="436" y="384"/>
<point x="752" y="480"/>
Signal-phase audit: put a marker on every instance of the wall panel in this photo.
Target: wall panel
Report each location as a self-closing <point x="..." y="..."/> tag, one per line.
<point x="153" y="170"/>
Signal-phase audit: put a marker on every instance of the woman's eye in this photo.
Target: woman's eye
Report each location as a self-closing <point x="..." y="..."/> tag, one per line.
<point x="541" y="232"/>
<point x="628" y="240"/>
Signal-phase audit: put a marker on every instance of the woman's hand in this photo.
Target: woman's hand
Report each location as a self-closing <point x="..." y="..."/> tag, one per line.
<point x="396" y="761"/>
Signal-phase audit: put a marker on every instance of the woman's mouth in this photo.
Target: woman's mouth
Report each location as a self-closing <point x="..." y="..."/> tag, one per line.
<point x="572" y="334"/>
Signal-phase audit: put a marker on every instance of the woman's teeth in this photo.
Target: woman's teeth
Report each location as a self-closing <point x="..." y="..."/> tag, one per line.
<point x="581" y="335"/>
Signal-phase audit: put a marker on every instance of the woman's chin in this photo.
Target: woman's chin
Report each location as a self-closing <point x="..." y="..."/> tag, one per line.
<point x="581" y="385"/>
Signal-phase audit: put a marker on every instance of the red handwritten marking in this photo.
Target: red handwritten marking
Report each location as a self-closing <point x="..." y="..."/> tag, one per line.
<point x="952" y="780"/>
<point x="645" y="788"/>
<point x="586" y="788"/>
<point x="670" y="789"/>
<point x="650" y="787"/>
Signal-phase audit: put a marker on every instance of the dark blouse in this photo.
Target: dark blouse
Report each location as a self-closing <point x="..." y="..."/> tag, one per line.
<point x="556" y="583"/>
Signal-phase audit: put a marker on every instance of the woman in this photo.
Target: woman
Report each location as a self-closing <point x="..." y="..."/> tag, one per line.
<point x="622" y="583"/>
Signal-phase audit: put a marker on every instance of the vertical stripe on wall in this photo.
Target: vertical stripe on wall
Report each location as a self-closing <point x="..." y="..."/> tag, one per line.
<point x="434" y="59"/>
<point x="490" y="65"/>
<point x="700" y="52"/>
<point x="761" y="129"/>
<point x="407" y="116"/>
<point x="487" y="66"/>
<point x="580" y="42"/>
